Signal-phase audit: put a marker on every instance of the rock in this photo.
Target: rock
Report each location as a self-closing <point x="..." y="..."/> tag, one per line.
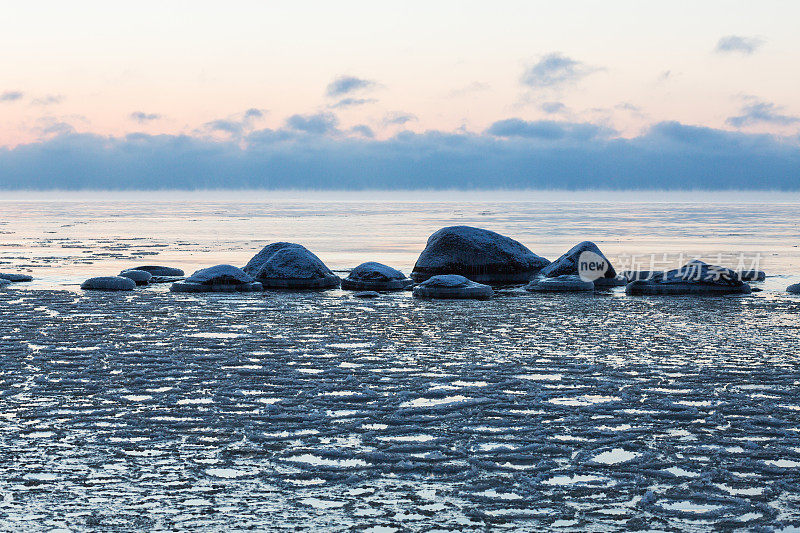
<point x="141" y="277"/>
<point x="794" y="289"/>
<point x="15" y="277"/>
<point x="109" y="283"/>
<point x="166" y="279"/>
<point x="373" y="276"/>
<point x="285" y="265"/>
<point x="478" y="254"/>
<point x="219" y="278"/>
<point x="452" y="286"/>
<point x="637" y="275"/>
<point x="160" y="270"/>
<point x="4" y="282"/>
<point x="695" y="277"/>
<point x="366" y="294"/>
<point x="752" y="275"/>
<point x="596" y="267"/>
<point x="565" y="283"/>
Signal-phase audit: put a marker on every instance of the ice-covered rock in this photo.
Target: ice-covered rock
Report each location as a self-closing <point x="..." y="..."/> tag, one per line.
<point x="15" y="277"/>
<point x="373" y="276"/>
<point x="141" y="277"/>
<point x="794" y="289"/>
<point x="564" y="283"/>
<point x="696" y="277"/>
<point x="286" y="265"/>
<point x="366" y="294"/>
<point x="160" y="270"/>
<point x="596" y="267"/>
<point x="109" y="283"/>
<point x="478" y="254"/>
<point x="452" y="286"/>
<point x="219" y="278"/>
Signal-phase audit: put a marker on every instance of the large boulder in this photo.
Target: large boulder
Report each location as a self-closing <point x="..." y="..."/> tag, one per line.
<point x="141" y="277"/>
<point x="565" y="283"/>
<point x="452" y="286"/>
<point x="586" y="260"/>
<point x="160" y="270"/>
<point x="373" y="276"/>
<point x="108" y="283"/>
<point x="696" y="277"/>
<point x="286" y="265"/>
<point x="478" y="254"/>
<point x="220" y="278"/>
<point x="794" y="289"/>
<point x="15" y="277"/>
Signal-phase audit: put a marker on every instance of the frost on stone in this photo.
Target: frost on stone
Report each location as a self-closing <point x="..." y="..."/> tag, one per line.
<point x="452" y="286"/>
<point x="376" y="277"/>
<point x="219" y="278"/>
<point x="478" y="254"/>
<point x="568" y="264"/>
<point x="562" y="283"/>
<point x="109" y="283"/>
<point x="291" y="266"/>
<point x="696" y="277"/>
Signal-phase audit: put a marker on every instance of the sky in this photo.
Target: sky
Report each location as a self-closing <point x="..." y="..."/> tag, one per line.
<point x="357" y="94"/>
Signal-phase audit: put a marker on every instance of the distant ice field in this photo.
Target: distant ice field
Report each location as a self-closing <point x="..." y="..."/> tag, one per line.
<point x="151" y="410"/>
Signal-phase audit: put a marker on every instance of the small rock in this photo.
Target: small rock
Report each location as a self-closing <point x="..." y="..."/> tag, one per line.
<point x="109" y="283"/>
<point x="366" y="294"/>
<point x="286" y="265"/>
<point x="696" y="277"/>
<point x="564" y="283"/>
<point x="4" y="282"/>
<point x="15" y="277"/>
<point x="373" y="276"/>
<point x="160" y="270"/>
<point x="569" y="264"/>
<point x="141" y="277"/>
<point x="219" y="278"/>
<point x="452" y="286"/>
<point x="794" y="289"/>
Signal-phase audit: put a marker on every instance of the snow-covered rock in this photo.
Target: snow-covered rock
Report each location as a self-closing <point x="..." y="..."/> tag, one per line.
<point x="569" y="265"/>
<point x="160" y="270"/>
<point x="15" y="277"/>
<point x="564" y="283"/>
<point x="141" y="277"/>
<point x="285" y="265"/>
<point x="794" y="289"/>
<point x="373" y="276"/>
<point x="478" y="254"/>
<point x="109" y="283"/>
<point x="219" y="278"/>
<point x="696" y="277"/>
<point x="452" y="286"/>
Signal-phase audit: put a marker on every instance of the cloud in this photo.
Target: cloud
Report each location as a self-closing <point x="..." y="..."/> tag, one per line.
<point x="398" y="118"/>
<point x="738" y="44"/>
<point x="669" y="155"/>
<point x="553" y="107"/>
<point x="555" y="70"/>
<point x="352" y="102"/>
<point x="143" y="118"/>
<point x="11" y="96"/>
<point x="253" y="114"/>
<point x="227" y="126"/>
<point x="363" y="130"/>
<point x="762" y="113"/>
<point x="547" y="130"/>
<point x="347" y="84"/>
<point x="473" y="87"/>
<point x="50" y="99"/>
<point x="317" y="124"/>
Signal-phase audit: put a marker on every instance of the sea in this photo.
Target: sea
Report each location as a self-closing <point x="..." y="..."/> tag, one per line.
<point x="151" y="410"/>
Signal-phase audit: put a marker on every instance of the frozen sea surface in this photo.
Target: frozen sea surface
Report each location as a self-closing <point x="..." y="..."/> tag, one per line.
<point x="158" y="411"/>
<point x="155" y="410"/>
